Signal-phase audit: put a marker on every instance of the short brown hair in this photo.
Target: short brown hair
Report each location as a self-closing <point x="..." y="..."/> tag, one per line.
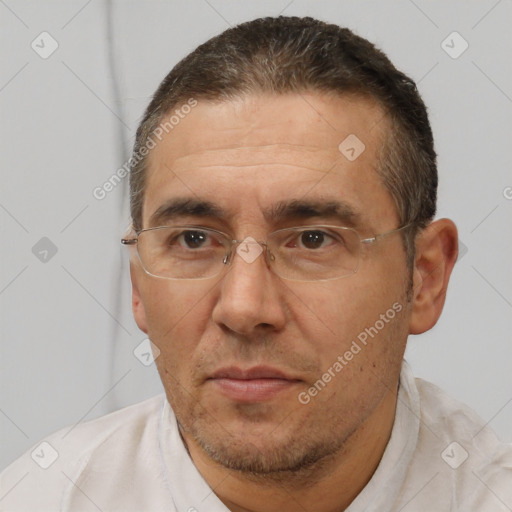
<point x="291" y="54"/>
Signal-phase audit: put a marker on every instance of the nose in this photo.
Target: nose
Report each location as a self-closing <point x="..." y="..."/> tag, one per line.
<point x="250" y="299"/>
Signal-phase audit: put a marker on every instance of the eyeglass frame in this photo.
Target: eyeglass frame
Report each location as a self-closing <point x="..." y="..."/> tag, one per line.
<point x="130" y="242"/>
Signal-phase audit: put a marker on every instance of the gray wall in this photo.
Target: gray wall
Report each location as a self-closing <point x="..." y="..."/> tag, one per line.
<point x="68" y="121"/>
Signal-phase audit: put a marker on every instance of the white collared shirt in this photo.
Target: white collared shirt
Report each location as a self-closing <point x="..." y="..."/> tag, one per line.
<point x="441" y="457"/>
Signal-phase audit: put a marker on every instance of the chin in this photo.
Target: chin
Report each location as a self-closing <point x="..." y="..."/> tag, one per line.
<point x="263" y="451"/>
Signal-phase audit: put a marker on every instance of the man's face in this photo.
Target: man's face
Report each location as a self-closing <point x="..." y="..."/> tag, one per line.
<point x="241" y="352"/>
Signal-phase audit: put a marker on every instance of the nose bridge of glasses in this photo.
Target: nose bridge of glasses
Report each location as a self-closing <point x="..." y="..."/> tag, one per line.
<point x="249" y="249"/>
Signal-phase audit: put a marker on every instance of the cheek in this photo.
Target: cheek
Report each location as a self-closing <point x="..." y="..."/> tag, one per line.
<point x="177" y="314"/>
<point x="332" y="312"/>
<point x="355" y="320"/>
<point x="360" y="363"/>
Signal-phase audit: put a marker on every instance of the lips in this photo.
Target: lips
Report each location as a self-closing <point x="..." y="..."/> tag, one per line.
<point x="257" y="384"/>
<point x="257" y="372"/>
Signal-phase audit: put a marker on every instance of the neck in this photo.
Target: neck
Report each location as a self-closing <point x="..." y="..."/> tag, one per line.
<point x="330" y="486"/>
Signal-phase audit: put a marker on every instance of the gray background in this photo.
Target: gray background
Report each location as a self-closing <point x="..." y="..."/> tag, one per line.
<point x="68" y="122"/>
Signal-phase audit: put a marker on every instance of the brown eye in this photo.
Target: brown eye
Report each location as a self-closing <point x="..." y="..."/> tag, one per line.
<point x="312" y="239"/>
<point x="194" y="239"/>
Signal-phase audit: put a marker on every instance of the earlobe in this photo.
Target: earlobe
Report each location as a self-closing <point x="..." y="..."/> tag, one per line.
<point x="436" y="253"/>
<point x="139" y="311"/>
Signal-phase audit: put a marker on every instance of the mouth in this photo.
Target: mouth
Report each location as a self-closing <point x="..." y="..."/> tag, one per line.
<point x="257" y="384"/>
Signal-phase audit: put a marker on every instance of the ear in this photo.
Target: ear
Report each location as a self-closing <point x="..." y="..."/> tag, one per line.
<point x="139" y="311"/>
<point x="436" y="253"/>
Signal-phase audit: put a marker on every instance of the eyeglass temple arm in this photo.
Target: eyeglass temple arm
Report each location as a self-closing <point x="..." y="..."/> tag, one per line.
<point x="374" y="238"/>
<point x="128" y="241"/>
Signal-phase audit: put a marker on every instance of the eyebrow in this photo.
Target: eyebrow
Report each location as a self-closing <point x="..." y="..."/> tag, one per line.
<point x="289" y="210"/>
<point x="185" y="207"/>
<point x="306" y="209"/>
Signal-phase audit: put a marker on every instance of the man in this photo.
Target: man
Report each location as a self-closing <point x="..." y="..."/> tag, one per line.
<point x="283" y="190"/>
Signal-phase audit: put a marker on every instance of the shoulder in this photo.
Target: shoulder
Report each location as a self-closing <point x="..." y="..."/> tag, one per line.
<point x="463" y="452"/>
<point x="117" y="446"/>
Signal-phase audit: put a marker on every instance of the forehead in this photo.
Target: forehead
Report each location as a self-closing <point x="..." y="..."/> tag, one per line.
<point x="262" y="149"/>
<point x="308" y="121"/>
